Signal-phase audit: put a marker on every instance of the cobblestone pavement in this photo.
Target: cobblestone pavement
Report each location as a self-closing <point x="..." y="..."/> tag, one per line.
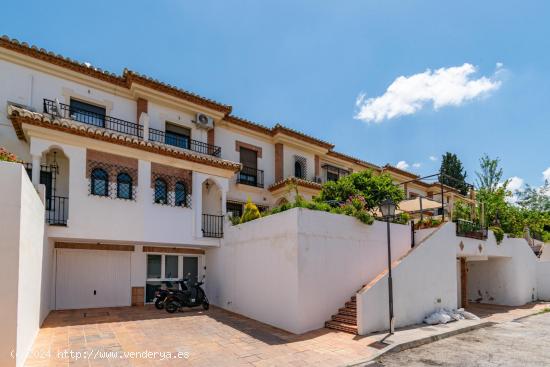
<point x="525" y="342"/>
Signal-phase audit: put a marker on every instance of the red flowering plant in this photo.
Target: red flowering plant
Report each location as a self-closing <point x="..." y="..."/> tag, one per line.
<point x="7" y="156"/>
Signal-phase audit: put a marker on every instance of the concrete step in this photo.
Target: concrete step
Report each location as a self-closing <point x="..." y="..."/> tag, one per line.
<point x="348" y="311"/>
<point x="346" y="319"/>
<point x="335" y="325"/>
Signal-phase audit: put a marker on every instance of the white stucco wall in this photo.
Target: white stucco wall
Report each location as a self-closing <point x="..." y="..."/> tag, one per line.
<point x="21" y="264"/>
<point x="543" y="280"/>
<point x="423" y="281"/>
<point x="295" y="269"/>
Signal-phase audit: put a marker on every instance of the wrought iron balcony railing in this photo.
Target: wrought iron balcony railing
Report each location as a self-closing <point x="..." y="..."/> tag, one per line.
<point x="212" y="225"/>
<point x="57" y="210"/>
<point x="251" y="176"/>
<point x="184" y="142"/>
<point x="125" y="127"/>
<point x="92" y="118"/>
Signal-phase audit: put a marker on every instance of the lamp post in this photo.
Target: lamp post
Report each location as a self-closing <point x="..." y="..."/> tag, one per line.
<point x="387" y="207"/>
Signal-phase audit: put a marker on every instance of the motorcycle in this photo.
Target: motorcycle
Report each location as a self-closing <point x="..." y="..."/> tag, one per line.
<point x="192" y="297"/>
<point x="161" y="294"/>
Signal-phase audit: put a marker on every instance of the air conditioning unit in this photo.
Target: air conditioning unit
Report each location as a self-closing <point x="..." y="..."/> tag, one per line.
<point x="318" y="179"/>
<point x="204" y="121"/>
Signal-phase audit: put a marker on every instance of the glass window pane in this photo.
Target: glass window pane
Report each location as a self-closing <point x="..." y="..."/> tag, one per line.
<point x="153" y="266"/>
<point x="171" y="266"/>
<point x="191" y="265"/>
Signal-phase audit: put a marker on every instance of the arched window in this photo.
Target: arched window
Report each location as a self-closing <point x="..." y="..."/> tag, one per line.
<point x="297" y="169"/>
<point x="181" y="194"/>
<point x="124" y="186"/>
<point x="100" y="182"/>
<point x="161" y="191"/>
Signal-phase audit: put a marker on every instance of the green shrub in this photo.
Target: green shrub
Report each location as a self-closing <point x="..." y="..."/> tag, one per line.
<point x="498" y="232"/>
<point x="402" y="218"/>
<point x="251" y="212"/>
<point x="364" y="216"/>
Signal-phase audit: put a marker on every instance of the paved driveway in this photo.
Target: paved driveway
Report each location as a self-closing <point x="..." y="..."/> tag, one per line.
<point x="106" y="337"/>
<point x="525" y="342"/>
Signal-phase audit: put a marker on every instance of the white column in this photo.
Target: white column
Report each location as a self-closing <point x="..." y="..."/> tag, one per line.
<point x="197" y="202"/>
<point x="144" y="121"/>
<point x="36" y="169"/>
<point x="224" y="201"/>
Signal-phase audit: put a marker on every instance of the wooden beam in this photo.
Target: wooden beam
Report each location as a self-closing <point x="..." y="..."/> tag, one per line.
<point x="94" y="246"/>
<point x="173" y="250"/>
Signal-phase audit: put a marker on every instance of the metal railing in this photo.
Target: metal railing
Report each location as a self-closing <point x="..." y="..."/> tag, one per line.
<point x="466" y="228"/>
<point x="212" y="226"/>
<point x="184" y="142"/>
<point x="92" y="118"/>
<point x="57" y="210"/>
<point x="251" y="176"/>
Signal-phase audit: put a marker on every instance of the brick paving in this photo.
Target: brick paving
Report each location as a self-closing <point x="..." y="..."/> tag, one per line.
<point x="211" y="338"/>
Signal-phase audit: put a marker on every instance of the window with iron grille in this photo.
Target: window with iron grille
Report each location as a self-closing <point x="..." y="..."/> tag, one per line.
<point x="124" y="186"/>
<point x="161" y="191"/>
<point x="87" y="113"/>
<point x="180" y="194"/>
<point x="112" y="181"/>
<point x="99" y="182"/>
<point x="171" y="190"/>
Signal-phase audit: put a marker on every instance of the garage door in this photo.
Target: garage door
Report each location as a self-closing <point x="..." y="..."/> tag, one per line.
<point x="88" y="278"/>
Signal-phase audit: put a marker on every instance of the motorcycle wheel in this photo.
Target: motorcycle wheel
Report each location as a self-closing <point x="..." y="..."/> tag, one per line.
<point x="171" y="307"/>
<point x="205" y="305"/>
<point x="159" y="304"/>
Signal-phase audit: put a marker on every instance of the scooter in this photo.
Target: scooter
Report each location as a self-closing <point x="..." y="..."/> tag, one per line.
<point x="161" y="294"/>
<point x="192" y="297"/>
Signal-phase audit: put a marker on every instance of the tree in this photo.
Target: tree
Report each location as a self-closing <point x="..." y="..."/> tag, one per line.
<point x="452" y="173"/>
<point x="373" y="188"/>
<point x="533" y="198"/>
<point x="490" y="175"/>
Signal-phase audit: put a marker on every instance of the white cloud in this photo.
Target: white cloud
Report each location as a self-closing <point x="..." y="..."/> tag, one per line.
<point x="515" y="183"/>
<point x="409" y="94"/>
<point x="416" y="165"/>
<point x="402" y="165"/>
<point x="546" y="174"/>
<point x="433" y="158"/>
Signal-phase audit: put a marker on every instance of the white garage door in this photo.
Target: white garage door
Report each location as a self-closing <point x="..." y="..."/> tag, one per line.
<point x="92" y="278"/>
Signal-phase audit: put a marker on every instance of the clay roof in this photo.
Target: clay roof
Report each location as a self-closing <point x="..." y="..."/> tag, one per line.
<point x="125" y="80"/>
<point x="19" y="116"/>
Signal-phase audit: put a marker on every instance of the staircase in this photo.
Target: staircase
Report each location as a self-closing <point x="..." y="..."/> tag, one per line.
<point x="346" y="318"/>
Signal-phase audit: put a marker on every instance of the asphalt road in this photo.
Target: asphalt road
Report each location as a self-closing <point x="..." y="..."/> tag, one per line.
<point x="523" y="343"/>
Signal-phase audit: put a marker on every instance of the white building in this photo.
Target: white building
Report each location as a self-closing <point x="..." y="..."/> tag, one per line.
<point x="136" y="178"/>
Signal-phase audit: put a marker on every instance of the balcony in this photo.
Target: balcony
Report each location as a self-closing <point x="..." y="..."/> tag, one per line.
<point x="251" y="176"/>
<point x="57" y="209"/>
<point x="129" y="128"/>
<point x="184" y="142"/>
<point x="466" y="228"/>
<point x="212" y="226"/>
<point x="91" y="118"/>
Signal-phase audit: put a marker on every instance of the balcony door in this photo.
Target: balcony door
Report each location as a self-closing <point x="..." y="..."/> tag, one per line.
<point x="249" y="160"/>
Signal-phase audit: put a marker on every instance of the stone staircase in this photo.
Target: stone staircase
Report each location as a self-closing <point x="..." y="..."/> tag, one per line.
<point x="346" y="318"/>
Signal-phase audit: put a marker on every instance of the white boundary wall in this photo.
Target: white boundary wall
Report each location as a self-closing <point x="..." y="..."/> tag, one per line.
<point x="427" y="279"/>
<point x="293" y="270"/>
<point x="26" y="272"/>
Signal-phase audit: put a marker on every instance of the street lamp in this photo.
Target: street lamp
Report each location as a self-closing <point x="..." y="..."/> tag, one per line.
<point x="387" y="207"/>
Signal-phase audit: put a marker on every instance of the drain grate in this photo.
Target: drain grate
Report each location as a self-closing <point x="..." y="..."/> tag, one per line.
<point x="95" y="314"/>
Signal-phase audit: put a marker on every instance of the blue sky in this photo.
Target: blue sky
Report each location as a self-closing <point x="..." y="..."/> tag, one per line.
<point x="304" y="63"/>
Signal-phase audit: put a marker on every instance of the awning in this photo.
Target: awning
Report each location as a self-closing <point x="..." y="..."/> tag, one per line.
<point x="413" y="205"/>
